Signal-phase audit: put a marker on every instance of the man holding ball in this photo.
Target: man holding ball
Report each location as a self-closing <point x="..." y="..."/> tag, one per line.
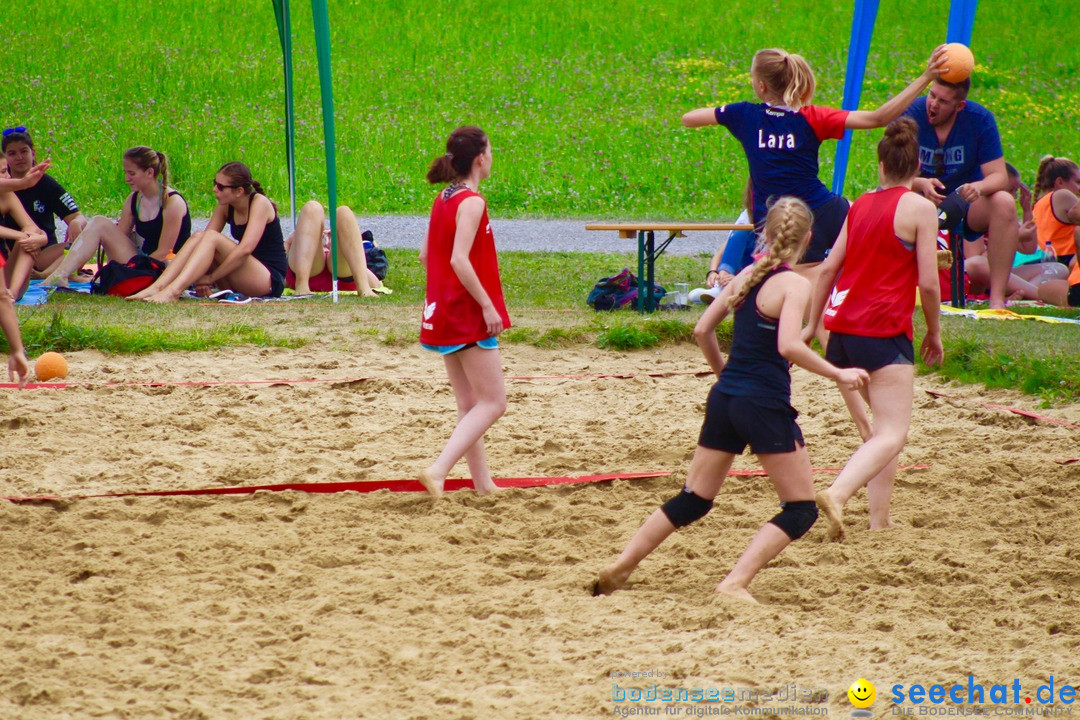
<point x="962" y="169"/>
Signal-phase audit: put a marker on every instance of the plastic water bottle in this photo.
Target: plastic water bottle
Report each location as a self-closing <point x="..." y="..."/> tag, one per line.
<point x="1048" y="254"/>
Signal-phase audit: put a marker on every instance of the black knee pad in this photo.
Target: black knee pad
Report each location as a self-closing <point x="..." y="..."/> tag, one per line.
<point x="686" y="507"/>
<point x="796" y="518"/>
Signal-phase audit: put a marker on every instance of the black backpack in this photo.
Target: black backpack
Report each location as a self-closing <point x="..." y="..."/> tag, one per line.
<point x="617" y="291"/>
<point x="123" y="279"/>
<point x="376" y="258"/>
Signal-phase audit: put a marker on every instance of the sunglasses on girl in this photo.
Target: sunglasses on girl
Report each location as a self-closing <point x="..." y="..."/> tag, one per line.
<point x="219" y="187"/>
<point x="11" y="131"/>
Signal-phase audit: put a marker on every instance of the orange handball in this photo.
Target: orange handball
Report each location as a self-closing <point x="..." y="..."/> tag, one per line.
<point x="960" y="63"/>
<point x="49" y="366"/>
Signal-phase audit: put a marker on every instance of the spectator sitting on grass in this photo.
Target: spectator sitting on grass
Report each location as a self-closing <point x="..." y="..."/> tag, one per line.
<point x="309" y="270"/>
<point x="1057" y="208"/>
<point x="154" y="212"/>
<point x="42" y="200"/>
<point x="253" y="264"/>
<point x="1029" y="271"/>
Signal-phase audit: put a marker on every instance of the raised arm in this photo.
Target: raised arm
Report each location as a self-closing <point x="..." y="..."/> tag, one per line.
<point x="700" y="118"/>
<point x="469" y="213"/>
<point x="895" y="106"/>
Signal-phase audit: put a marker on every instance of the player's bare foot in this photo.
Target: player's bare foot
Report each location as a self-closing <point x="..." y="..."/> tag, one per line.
<point x="162" y="298"/>
<point x="484" y="488"/>
<point x="834" y="516"/>
<point x="304" y="289"/>
<point x="142" y="294"/>
<point x="880" y="525"/>
<point x="738" y="593"/>
<point x="610" y="579"/>
<point x="432" y="484"/>
<point x="55" y="280"/>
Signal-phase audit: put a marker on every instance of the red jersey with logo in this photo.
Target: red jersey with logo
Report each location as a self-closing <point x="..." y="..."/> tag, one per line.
<point x="451" y="315"/>
<point x="875" y="293"/>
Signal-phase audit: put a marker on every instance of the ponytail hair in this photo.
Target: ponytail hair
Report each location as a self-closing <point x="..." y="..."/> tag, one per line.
<point x="898" y="151"/>
<point x="239" y="176"/>
<point x="462" y="147"/>
<point x="787" y="77"/>
<point x="787" y="231"/>
<point x="146" y="159"/>
<point x="1050" y="169"/>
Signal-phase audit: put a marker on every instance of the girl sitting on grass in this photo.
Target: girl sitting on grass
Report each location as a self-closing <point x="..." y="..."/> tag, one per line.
<point x="464" y="311"/>
<point x="309" y="255"/>
<point x="253" y="264"/>
<point x="749" y="405"/>
<point x="154" y="221"/>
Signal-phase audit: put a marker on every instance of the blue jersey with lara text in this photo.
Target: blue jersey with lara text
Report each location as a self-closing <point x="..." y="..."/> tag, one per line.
<point x="781" y="148"/>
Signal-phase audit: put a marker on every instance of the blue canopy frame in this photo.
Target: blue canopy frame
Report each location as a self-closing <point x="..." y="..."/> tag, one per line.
<point x="961" y="22"/>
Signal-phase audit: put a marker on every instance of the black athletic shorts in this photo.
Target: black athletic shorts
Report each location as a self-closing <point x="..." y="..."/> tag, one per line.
<point x="869" y="353"/>
<point x="828" y="220"/>
<point x="732" y="422"/>
<point x="1074" y="295"/>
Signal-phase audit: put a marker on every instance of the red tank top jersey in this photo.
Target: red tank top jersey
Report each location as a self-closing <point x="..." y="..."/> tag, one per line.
<point x="1061" y="235"/>
<point x="451" y="315"/>
<point x="875" y="293"/>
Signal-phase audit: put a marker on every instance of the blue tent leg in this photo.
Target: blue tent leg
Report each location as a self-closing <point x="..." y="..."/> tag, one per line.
<point x="961" y="21"/>
<point x="862" y="32"/>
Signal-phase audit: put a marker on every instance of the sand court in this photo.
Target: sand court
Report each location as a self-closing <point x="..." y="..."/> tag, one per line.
<point x="387" y="605"/>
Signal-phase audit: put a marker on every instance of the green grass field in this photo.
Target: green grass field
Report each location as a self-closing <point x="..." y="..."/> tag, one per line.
<point x="582" y="99"/>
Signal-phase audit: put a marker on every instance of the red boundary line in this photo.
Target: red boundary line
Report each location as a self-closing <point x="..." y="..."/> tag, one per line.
<point x="1006" y="408"/>
<point x="218" y="383"/>
<point x="762" y="473"/>
<point x="357" y="486"/>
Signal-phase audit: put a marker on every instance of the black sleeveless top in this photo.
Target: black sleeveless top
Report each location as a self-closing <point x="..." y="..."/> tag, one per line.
<point x="271" y="248"/>
<point x="150" y="230"/>
<point x="755" y="365"/>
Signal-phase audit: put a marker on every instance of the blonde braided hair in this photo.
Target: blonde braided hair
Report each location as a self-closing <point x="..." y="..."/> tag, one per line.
<point x="787" y="228"/>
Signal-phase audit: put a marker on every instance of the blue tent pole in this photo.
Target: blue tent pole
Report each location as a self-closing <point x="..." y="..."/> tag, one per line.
<point x="961" y="21"/>
<point x="284" y="23"/>
<point x="326" y="84"/>
<point x="862" y="31"/>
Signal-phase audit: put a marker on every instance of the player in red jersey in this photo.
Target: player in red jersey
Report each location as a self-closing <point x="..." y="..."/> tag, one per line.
<point x="464" y="309"/>
<point x="887" y="247"/>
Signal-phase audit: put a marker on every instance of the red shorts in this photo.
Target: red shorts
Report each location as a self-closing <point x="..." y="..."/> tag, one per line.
<point x="323" y="282"/>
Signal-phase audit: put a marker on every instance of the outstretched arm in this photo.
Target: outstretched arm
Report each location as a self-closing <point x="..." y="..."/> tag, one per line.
<point x="892" y="109"/>
<point x="699" y="118"/>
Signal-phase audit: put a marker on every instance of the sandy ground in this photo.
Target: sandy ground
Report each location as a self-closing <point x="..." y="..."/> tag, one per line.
<point x="381" y="605"/>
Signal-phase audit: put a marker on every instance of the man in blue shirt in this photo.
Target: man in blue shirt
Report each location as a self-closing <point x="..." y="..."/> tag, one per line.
<point x="963" y="173"/>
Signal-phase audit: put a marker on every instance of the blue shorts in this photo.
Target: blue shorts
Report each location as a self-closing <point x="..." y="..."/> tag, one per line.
<point x="491" y="343"/>
<point x="869" y="353"/>
<point x="732" y="422"/>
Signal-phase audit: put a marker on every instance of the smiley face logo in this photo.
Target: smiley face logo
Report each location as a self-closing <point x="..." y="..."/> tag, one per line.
<point x="862" y="693"/>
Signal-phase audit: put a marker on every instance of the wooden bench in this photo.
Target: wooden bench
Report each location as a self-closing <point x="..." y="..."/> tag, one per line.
<point x="648" y="250"/>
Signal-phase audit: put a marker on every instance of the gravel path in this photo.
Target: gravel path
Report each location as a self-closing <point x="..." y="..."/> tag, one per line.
<point x="407" y="231"/>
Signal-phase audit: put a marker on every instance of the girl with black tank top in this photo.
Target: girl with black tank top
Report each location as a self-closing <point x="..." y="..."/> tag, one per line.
<point x="155" y="220"/>
<point x="252" y="264"/>
<point x="749" y="405"/>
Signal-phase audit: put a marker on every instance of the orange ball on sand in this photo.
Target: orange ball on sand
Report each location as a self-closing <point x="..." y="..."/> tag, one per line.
<point x="960" y="63"/>
<point x="49" y="366"/>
